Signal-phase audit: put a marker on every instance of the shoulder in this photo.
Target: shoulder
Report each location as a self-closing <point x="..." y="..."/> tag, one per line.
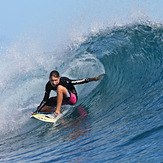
<point x="48" y="86"/>
<point x="65" y="80"/>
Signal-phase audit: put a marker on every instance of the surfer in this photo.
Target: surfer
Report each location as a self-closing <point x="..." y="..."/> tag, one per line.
<point x="66" y="92"/>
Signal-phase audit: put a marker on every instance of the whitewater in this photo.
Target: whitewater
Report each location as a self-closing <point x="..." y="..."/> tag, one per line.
<point x="117" y="119"/>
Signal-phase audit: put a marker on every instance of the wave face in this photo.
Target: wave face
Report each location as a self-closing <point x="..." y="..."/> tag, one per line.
<point x="118" y="119"/>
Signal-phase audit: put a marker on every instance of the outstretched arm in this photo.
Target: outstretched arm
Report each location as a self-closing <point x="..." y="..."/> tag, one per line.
<point x="82" y="81"/>
<point x="95" y="78"/>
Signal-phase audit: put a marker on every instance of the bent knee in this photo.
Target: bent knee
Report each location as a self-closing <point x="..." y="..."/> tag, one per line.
<point x="60" y="88"/>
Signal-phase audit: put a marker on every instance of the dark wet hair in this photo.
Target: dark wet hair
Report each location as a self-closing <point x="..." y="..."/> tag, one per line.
<point x="55" y="74"/>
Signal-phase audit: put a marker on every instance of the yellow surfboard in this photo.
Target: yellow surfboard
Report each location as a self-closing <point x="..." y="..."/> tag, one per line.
<point x="45" y="117"/>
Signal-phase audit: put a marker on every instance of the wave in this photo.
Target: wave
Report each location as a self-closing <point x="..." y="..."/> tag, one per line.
<point x="130" y="56"/>
<point x="122" y="112"/>
<point x="132" y="60"/>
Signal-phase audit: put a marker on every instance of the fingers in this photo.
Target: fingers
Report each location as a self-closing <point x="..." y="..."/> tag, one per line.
<point x="35" y="112"/>
<point x="100" y="76"/>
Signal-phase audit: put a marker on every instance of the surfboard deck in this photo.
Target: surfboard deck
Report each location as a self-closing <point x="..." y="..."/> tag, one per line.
<point x="46" y="117"/>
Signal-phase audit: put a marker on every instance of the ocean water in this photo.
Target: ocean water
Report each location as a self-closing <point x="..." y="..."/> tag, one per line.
<point x="117" y="119"/>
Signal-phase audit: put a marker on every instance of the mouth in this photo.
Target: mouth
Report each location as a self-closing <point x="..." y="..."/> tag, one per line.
<point x="53" y="84"/>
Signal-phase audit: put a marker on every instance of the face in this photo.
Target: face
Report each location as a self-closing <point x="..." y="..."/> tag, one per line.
<point x="54" y="81"/>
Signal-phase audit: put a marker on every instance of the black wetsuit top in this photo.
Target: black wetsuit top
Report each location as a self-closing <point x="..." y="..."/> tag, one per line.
<point x="64" y="81"/>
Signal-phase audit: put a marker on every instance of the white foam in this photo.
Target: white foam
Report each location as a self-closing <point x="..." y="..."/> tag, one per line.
<point x="24" y="73"/>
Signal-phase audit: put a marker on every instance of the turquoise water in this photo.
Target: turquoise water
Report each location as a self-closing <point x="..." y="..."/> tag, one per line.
<point x="118" y="119"/>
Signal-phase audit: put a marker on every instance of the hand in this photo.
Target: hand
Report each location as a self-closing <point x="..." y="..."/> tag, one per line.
<point x="99" y="77"/>
<point x="56" y="114"/>
<point x="35" y="112"/>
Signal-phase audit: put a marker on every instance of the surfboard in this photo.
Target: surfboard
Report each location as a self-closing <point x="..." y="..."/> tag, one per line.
<point x="46" y="117"/>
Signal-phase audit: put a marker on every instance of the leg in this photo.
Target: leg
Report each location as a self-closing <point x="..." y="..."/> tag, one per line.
<point x="47" y="108"/>
<point x="61" y="91"/>
<point x="50" y="106"/>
